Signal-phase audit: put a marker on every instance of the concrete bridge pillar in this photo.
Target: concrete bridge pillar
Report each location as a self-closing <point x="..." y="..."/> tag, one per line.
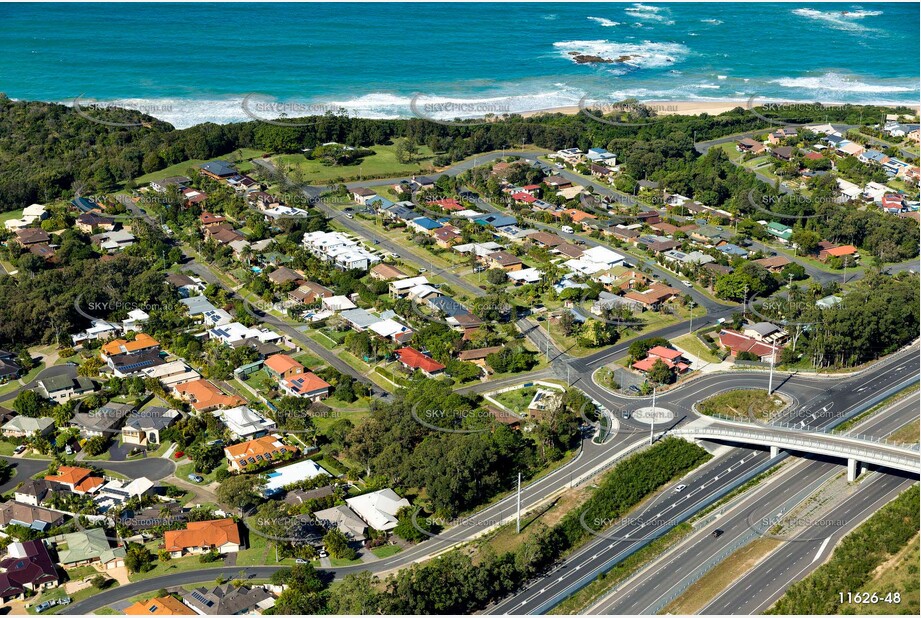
<point x="775" y="451"/>
<point x="854" y="468"/>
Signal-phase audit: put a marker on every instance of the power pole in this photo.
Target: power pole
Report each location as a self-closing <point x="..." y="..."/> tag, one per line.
<point x="518" y="524"/>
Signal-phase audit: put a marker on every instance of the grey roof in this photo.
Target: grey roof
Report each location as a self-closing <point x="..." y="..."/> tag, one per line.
<point x="763" y="328"/>
<point x="359" y="317"/>
<point x="154" y="417"/>
<point x="198" y="305"/>
<point x="227" y="600"/>
<point x="219" y="168"/>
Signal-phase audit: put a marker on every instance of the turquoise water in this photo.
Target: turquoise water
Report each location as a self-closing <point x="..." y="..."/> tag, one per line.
<point x="187" y="63"/>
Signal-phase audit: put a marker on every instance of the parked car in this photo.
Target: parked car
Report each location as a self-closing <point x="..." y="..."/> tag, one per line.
<point x="65" y="601"/>
<point x="567" y="229"/>
<point x="680" y="488"/>
<point x="301" y="561"/>
<point x="43" y="606"/>
<point x="323" y="554"/>
<point x="349" y="215"/>
<point x="179" y="454"/>
<point x="196" y="478"/>
<point x="19" y="449"/>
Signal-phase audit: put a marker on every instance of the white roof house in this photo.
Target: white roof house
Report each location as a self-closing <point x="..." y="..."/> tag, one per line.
<point x="526" y="275"/>
<point x="233" y="332"/>
<point x="337" y="303"/>
<point x="99" y="329"/>
<point x="391" y="329"/>
<point x="30" y="214"/>
<point x="244" y="423"/>
<point x="279" y="478"/>
<point x="136" y="317"/>
<point x="602" y="255"/>
<point x="404" y="285"/>
<point x="172" y="373"/>
<point x="378" y="509"/>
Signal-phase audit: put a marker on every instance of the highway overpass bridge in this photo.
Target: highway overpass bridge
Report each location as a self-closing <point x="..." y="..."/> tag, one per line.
<point x="858" y="452"/>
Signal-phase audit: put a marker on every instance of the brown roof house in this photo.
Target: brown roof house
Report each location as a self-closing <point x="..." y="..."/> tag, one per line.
<point x="201" y="537"/>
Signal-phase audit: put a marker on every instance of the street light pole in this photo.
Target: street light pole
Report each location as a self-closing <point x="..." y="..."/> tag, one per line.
<point x="518" y="524"/>
<point x="652" y="421"/>
<point x="771" y="375"/>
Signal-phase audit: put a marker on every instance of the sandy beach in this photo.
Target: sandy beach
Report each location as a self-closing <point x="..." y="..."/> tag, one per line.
<point x="680" y="108"/>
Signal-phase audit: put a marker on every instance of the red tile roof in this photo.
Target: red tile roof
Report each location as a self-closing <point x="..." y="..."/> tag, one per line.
<point x="417" y="360"/>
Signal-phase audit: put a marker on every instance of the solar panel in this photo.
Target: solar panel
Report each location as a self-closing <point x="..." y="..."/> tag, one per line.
<point x="201" y="598"/>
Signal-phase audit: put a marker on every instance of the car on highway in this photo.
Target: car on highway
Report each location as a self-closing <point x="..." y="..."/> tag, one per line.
<point x="716" y="533"/>
<point x="349" y="215"/>
<point x="680" y="488"/>
<point x="196" y="478"/>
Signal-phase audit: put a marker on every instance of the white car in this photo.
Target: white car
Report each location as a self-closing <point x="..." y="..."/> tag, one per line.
<point x="680" y="488"/>
<point x="687" y="284"/>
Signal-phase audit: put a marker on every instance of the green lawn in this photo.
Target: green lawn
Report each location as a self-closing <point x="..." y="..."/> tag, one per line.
<point x="694" y="346"/>
<point x="184" y="470"/>
<point x="58" y="593"/>
<point x="382" y="164"/>
<point x="742" y="404"/>
<point x="386" y="551"/>
<point x="14" y="384"/>
<point x="180" y="169"/>
<point x="517" y="400"/>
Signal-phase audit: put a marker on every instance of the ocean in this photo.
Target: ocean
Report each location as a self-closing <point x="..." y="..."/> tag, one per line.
<point x="192" y="63"/>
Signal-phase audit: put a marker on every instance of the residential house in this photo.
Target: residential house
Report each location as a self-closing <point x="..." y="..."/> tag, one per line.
<point x="90" y="222"/>
<point x="283" y="477"/>
<point x="424" y="225"/>
<point x="765" y="332"/>
<point x="378" y="509"/>
<point x="504" y="260"/>
<point x="829" y="250"/>
<point x="774" y="264"/>
<point x="159" y="606"/>
<point x="205" y="396"/>
<point x="77" y="480"/>
<point x="654" y="297"/>
<point x="61" y="388"/>
<point x="282" y="367"/>
<point x="307" y="385"/>
<point x="218" y="170"/>
<point x="29" y="516"/>
<point x="267" y="449"/>
<point x="116" y="493"/>
<point x="27" y="569"/>
<point x="201" y="537"/>
<point x="747" y="144"/>
<point x="283" y="275"/>
<point x="228" y="600"/>
<point x="32" y="491"/>
<point x="114" y="241"/>
<point x="141" y="343"/>
<point x="784" y="153"/>
<point x="601" y="155"/>
<point x="478" y="356"/>
<point x="25" y="426"/>
<point x="673" y="359"/>
<point x="103" y="421"/>
<point x="361" y="195"/>
<point x="386" y="272"/>
<point x="412" y="359"/>
<point x="736" y="342"/>
<point x="144" y="426"/>
<point x="309" y="292"/>
<point x="32" y="236"/>
<point x="89" y="547"/>
<point x="344" y="519"/>
<point x="447" y="236"/>
<point x="244" y="423"/>
<point x="125" y="365"/>
<point x="228" y="334"/>
<point x="30" y="214"/>
<point x="779" y="231"/>
<point x="162" y="186"/>
<point x="172" y="373"/>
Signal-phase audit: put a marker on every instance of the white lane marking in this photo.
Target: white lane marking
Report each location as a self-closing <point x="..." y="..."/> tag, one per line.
<point x="818" y="554"/>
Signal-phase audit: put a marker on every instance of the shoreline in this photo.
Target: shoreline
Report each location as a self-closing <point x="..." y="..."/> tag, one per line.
<point x="694" y="108"/>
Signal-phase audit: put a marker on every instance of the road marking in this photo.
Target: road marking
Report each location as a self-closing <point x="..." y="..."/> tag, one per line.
<point x="818" y="554"/>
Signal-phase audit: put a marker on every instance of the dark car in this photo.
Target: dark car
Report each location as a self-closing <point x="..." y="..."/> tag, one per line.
<point x="716" y="533"/>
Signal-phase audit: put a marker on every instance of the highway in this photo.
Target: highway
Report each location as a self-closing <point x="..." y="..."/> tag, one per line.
<point x="714" y="479"/>
<point x="648" y="591"/>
